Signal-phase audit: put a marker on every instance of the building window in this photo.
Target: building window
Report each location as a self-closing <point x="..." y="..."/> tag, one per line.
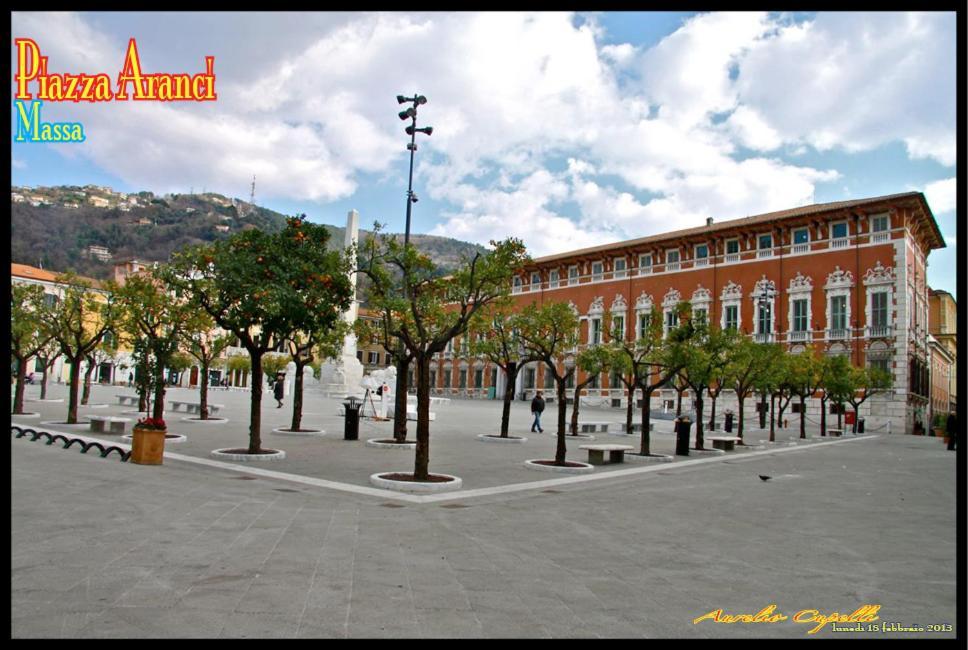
<point x="732" y="250"/>
<point x="618" y="265"/>
<point x="671" y="320"/>
<point x="388" y="360"/>
<point x="699" y="316"/>
<point x="529" y="377"/>
<point x="672" y="260"/>
<point x="447" y="382"/>
<point x="478" y="378"/>
<point x="374" y="358"/>
<point x="597" y="271"/>
<point x="731" y="317"/>
<point x="517" y="285"/>
<point x="879" y="223"/>
<point x="462" y="378"/>
<point x="643" y="324"/>
<point x="702" y="255"/>
<point x="359" y="355"/>
<point x="645" y="263"/>
<point x="838" y="312"/>
<point x="50" y="300"/>
<point x="800" y="315"/>
<point x="765" y="246"/>
<point x="881" y="363"/>
<point x="764" y="318"/>
<point x="549" y="379"/>
<point x="879" y="309"/>
<point x="535" y="281"/>
<point x="593" y="383"/>
<point x="618" y="327"/>
<point x="572" y="275"/>
<point x="838" y="234"/>
<point x="553" y="279"/>
<point x="801" y="240"/>
<point x="595" y="331"/>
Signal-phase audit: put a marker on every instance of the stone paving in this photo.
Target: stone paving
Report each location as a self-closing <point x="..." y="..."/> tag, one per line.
<point x="102" y="548"/>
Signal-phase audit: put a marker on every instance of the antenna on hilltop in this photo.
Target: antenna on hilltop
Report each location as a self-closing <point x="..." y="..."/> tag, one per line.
<point x="252" y="194"/>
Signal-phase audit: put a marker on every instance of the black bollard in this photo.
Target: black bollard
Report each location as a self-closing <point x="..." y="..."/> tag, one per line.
<point x="682" y="436"/>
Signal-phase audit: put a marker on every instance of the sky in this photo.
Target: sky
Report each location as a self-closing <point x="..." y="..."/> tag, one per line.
<point x="566" y="130"/>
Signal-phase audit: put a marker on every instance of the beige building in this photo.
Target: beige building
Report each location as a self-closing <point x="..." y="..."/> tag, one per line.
<point x="943" y="326"/>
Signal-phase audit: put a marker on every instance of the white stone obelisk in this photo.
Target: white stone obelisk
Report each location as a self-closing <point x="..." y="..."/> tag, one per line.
<point x="342" y="376"/>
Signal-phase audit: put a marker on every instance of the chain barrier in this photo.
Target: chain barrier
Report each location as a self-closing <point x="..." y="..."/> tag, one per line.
<point x="69" y="442"/>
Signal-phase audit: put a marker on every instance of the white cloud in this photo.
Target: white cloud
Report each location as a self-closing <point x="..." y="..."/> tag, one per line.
<point x="18" y="164"/>
<point x="942" y="195"/>
<point x="856" y="81"/>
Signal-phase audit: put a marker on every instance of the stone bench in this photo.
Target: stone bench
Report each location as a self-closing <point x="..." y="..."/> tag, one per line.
<point x="592" y="427"/>
<point x="194" y="407"/>
<point x="116" y="425"/>
<point x="637" y="427"/>
<point x="434" y="401"/>
<point x="125" y="400"/>
<point x="726" y="443"/>
<point x="616" y="453"/>
<point x="836" y="433"/>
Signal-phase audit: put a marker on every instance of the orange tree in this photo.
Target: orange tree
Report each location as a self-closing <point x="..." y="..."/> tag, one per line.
<point x="867" y="383"/>
<point x="262" y="287"/>
<point x="651" y="363"/>
<point x="500" y="344"/>
<point x="205" y="343"/>
<point x="28" y="336"/>
<point x="78" y="322"/>
<point x="593" y="360"/>
<point x="550" y="334"/>
<point x="804" y="376"/>
<point x="424" y="310"/>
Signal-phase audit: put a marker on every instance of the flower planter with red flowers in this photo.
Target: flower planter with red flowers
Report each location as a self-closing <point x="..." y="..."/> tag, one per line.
<point x="148" y="441"/>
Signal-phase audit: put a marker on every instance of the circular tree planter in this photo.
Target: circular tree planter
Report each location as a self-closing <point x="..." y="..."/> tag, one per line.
<point x="651" y="458"/>
<point x="27" y="414"/>
<point x="571" y="467"/>
<point x="403" y="482"/>
<point x="65" y="424"/>
<point x="94" y="406"/>
<point x="707" y="452"/>
<point x="244" y="455"/>
<point x="209" y="420"/>
<point x="169" y="437"/>
<point x="493" y="437"/>
<point x="310" y="433"/>
<point x="60" y="399"/>
<point x="390" y="443"/>
<point x="575" y="436"/>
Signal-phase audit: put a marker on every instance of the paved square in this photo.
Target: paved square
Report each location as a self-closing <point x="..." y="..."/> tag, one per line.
<point x="102" y="548"/>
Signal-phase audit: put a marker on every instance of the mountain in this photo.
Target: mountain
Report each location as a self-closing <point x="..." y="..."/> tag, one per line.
<point x="90" y="228"/>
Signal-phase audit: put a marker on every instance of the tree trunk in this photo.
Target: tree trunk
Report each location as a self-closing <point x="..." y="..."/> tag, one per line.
<point x="72" y="393"/>
<point x="561" y="450"/>
<point x="18" y="398"/>
<point x="400" y="401"/>
<point x="772" y="419"/>
<point x="823" y="416"/>
<point x="573" y="424"/>
<point x="678" y="402"/>
<point x="511" y="374"/>
<point x="856" y="415"/>
<point x="712" y="414"/>
<point x="762" y="410"/>
<point x="840" y="415"/>
<point x="421" y="462"/>
<point x="158" y="411"/>
<point x="43" y="380"/>
<point x="86" y="395"/>
<point x="255" y="412"/>
<point x="297" y="397"/>
<point x="803" y="417"/>
<point x="203" y="392"/>
<point x="646" y="439"/>
<point x="699" y="439"/>
<point x="742" y="418"/>
<point x="630" y="405"/>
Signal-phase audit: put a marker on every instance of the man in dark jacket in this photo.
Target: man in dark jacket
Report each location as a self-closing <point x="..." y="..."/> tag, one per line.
<point x="279" y="389"/>
<point x="951" y="426"/>
<point x="537" y="407"/>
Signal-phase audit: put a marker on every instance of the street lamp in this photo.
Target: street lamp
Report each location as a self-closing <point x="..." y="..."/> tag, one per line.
<point x="763" y="301"/>
<point x="412" y="130"/>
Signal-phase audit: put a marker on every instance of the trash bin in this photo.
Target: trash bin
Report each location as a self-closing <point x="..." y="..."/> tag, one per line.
<point x="683" y="426"/>
<point x="351" y="429"/>
<point x="860" y="425"/>
<point x="729" y="423"/>
<point x="491" y="392"/>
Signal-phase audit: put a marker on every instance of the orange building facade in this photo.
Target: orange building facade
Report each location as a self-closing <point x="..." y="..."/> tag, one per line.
<point x="847" y="277"/>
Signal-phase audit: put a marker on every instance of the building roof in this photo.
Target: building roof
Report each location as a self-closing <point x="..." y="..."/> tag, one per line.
<point x="34" y="273"/>
<point x="768" y="217"/>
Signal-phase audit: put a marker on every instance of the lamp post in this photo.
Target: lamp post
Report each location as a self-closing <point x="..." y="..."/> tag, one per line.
<point x="403" y="365"/>
<point x="763" y="301"/>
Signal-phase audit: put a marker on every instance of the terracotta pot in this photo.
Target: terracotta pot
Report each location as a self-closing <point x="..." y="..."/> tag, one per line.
<point x="147" y="446"/>
<point x="939" y="432"/>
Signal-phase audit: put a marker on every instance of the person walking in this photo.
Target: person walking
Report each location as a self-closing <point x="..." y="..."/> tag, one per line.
<point x="278" y="389"/>
<point x="951" y="426"/>
<point x="537" y="408"/>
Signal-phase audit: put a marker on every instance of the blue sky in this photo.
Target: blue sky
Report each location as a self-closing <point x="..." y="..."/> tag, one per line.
<point x="567" y="130"/>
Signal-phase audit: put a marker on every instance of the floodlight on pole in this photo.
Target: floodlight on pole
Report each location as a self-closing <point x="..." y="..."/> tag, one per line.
<point x="411" y="130"/>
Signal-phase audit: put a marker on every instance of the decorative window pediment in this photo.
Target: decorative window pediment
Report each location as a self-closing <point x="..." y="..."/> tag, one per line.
<point x="672" y="298"/>
<point x="879" y="275"/>
<point x="597" y="306"/>
<point x="732" y="291"/>
<point x="839" y="279"/>
<point x="701" y="295"/>
<point x="763" y="284"/>
<point x="619" y="303"/>
<point x="801" y="284"/>
<point x="643" y="302"/>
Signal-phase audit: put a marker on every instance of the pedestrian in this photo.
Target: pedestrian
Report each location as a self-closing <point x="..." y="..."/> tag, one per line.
<point x="537" y="408"/>
<point x="130" y="379"/>
<point x="30" y="378"/>
<point x="277" y="390"/>
<point x="951" y="427"/>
